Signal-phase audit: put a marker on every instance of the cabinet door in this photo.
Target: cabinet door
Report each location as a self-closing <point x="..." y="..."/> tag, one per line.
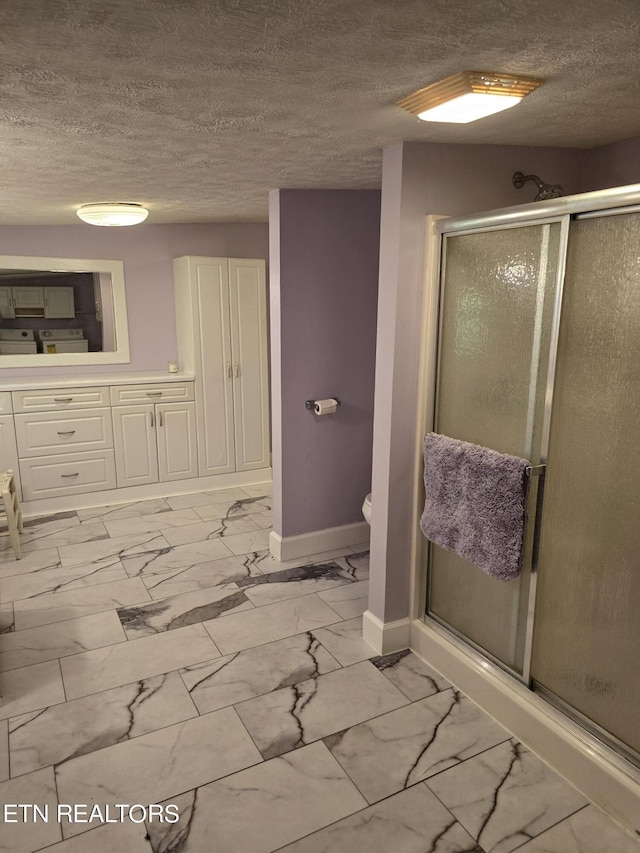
<point x="176" y="430"/>
<point x="248" y="312"/>
<point x="202" y="312"/>
<point x="59" y="302"/>
<point x="134" y="438"/>
<point x="7" y="310"/>
<point x="28" y="298"/>
<point x="8" y="448"/>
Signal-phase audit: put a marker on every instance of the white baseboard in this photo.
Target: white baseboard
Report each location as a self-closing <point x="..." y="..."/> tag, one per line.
<point x="47" y="506"/>
<point x="275" y="545"/>
<point x="385" y="637"/>
<point x="306" y="544"/>
<point x="597" y="771"/>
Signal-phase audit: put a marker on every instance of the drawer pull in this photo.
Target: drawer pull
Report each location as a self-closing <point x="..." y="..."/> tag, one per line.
<point x="77" y="474"/>
<point x="154" y="393"/>
<point x="62" y="399"/>
<point x="67" y="432"/>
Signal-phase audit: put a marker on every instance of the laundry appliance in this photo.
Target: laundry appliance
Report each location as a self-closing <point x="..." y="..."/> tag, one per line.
<point x="63" y="340"/>
<point x="17" y="342"/>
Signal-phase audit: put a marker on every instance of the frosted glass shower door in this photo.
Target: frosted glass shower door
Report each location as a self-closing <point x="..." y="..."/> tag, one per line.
<point x="587" y="631"/>
<point x="497" y="309"/>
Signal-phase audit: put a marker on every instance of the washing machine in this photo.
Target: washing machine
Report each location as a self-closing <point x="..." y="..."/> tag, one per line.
<point x="63" y="340"/>
<point x="17" y="342"/>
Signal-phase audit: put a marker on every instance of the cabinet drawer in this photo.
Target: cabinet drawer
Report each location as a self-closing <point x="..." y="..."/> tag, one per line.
<point x="5" y="403"/>
<point x="60" y="399"/>
<point x="43" y="433"/>
<point x="170" y="392"/>
<point x="67" y="474"/>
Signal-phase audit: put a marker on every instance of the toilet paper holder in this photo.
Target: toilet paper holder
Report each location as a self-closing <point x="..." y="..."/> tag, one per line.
<point x="311" y="404"/>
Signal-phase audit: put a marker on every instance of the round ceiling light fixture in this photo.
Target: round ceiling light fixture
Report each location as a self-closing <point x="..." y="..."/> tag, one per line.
<point x="113" y="213"/>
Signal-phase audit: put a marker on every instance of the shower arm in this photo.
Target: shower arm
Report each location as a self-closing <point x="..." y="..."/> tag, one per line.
<point x="519" y="180"/>
<point x="545" y="191"/>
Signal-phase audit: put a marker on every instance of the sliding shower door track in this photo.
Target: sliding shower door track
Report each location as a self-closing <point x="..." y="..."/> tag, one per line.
<point x="617" y="753"/>
<point x="606" y="738"/>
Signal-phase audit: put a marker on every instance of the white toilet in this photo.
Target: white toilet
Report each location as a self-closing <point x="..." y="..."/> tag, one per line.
<point x="366" y="509"/>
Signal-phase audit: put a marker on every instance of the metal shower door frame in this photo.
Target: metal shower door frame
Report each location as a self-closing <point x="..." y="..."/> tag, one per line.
<point x="445" y="229"/>
<point x="561" y="210"/>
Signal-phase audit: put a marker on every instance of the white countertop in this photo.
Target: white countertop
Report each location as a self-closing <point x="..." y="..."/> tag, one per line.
<point x="24" y="383"/>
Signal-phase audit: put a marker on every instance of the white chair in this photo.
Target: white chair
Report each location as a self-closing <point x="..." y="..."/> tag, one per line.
<point x="12" y="510"/>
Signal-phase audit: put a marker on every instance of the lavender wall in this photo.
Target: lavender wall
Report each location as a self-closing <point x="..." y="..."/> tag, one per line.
<point x="325" y="297"/>
<point x="275" y="358"/>
<point x="417" y="179"/>
<point x="466" y="178"/>
<point x="147" y="252"/>
<point x="613" y="165"/>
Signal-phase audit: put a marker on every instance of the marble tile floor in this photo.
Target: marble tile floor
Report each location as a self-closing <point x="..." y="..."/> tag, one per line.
<point x="155" y="653"/>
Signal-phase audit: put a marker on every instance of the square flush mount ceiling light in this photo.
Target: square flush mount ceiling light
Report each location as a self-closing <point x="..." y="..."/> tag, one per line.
<point x="468" y="96"/>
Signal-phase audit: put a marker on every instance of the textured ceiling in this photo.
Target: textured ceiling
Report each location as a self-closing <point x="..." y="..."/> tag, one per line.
<point x="198" y="109"/>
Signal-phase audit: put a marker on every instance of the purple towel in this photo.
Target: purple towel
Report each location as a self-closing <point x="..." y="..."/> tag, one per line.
<point x="475" y="503"/>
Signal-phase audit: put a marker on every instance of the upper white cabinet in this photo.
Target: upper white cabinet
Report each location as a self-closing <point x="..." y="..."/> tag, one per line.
<point x="7" y="311"/>
<point x="59" y="302"/>
<point x="48" y="302"/>
<point x="28" y="301"/>
<point x="221" y="315"/>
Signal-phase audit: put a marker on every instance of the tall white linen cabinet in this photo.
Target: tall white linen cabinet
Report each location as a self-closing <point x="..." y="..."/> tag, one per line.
<point x="221" y="320"/>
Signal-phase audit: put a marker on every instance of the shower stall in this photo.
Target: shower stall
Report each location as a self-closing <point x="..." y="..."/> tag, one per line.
<point x="539" y="357"/>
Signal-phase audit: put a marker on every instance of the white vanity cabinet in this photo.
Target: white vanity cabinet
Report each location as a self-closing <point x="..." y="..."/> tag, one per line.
<point x="82" y="439"/>
<point x="154" y="441"/>
<point x="126" y="437"/>
<point x="221" y="314"/>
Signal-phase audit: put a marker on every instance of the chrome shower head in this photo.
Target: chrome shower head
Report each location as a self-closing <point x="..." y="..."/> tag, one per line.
<point x="545" y="191"/>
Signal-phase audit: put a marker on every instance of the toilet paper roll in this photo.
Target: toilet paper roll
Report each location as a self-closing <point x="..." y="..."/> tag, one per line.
<point x="325" y="407"/>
